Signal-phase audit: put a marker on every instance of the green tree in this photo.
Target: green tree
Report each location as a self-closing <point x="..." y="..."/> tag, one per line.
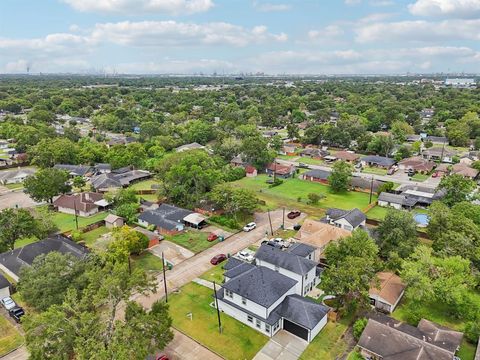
<point x="15" y="224"/>
<point x="340" y="176"/>
<point x="255" y="151"/>
<point x="358" y="327"/>
<point x="235" y="201"/>
<point x="314" y="198"/>
<point x="126" y="241"/>
<point x="397" y="233"/>
<point x="49" y="152"/>
<point x="293" y="131"/>
<point x="456" y="188"/>
<point x="79" y="182"/>
<point x="400" y="130"/>
<point x="46" y="183"/>
<point x="276" y="143"/>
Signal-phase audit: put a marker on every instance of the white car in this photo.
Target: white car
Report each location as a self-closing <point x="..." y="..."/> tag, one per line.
<point x="245" y="256"/>
<point x="281" y="242"/>
<point x="249" y="227"/>
<point x="8" y="303"/>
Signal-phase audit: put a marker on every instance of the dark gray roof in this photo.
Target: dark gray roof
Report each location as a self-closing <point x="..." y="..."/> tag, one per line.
<point x="78" y="170"/>
<point x="318" y="174"/>
<point x="3" y="282"/>
<point x="378" y="160"/>
<point x="166" y="216"/>
<point x="362" y="183"/>
<point x="397" y="199"/>
<point x="285" y="260"/>
<point x="238" y="270"/>
<point x="15" y="259"/>
<point x="116" y="180"/>
<point x="303" y="311"/>
<point x="301" y="249"/>
<point x="437" y="139"/>
<point x="260" y="285"/>
<point x="392" y="339"/>
<point x="355" y="217"/>
<point x="231" y="263"/>
<point x="102" y="166"/>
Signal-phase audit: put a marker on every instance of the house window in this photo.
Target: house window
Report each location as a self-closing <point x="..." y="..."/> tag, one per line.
<point x="258" y="324"/>
<point x="244" y="301"/>
<point x="306" y="276"/>
<point x="267" y="328"/>
<point x="276" y="325"/>
<point x="228" y="293"/>
<point x="250" y="318"/>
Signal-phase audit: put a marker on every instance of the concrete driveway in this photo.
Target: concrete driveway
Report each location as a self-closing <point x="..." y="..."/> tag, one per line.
<point x="172" y="252"/>
<point x="183" y="347"/>
<point x="16" y="199"/>
<point x="283" y="346"/>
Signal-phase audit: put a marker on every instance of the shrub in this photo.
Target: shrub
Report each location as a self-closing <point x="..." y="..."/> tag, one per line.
<point x="76" y="236"/>
<point x="358" y="327"/>
<point x="276" y="182"/>
<point x="314" y="198"/>
<point x="472" y="330"/>
<point x="226" y="221"/>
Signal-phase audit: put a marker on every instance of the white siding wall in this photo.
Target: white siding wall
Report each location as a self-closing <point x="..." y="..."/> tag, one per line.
<point x="250" y="306"/>
<point x="80" y="213"/>
<point x="314" y="332"/>
<point x="386" y="204"/>
<point x="5" y="292"/>
<point x="242" y="317"/>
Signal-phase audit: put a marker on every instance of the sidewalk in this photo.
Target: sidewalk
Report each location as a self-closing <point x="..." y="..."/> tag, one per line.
<point x="183" y="347"/>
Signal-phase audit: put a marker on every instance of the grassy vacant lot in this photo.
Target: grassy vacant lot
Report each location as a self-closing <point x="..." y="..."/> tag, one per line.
<point x="328" y="344"/>
<point x="14" y="186"/>
<point x="147" y="261"/>
<point x="66" y="222"/>
<point x="310" y="161"/>
<point x="91" y="237"/>
<point x="237" y="341"/>
<point x="377" y="212"/>
<point x="438" y="312"/>
<point x="10" y="338"/>
<point x="144" y="185"/>
<point x="374" y="170"/>
<point x="193" y="240"/>
<point x="420" y="177"/>
<point x="214" y="274"/>
<point x="287" y="194"/>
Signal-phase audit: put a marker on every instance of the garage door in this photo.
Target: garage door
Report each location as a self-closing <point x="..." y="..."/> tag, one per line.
<point x="295" y="329"/>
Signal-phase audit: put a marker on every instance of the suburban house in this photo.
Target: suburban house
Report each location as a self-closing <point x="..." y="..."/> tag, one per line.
<point x="439" y="154"/>
<point x="436" y="139"/>
<point x="238" y="161"/>
<point x="316" y="175"/>
<point x="377" y="161"/>
<point x="460" y="169"/>
<point x="361" y="184"/>
<point x="347" y="156"/>
<point x="408" y="196"/>
<point x="250" y="171"/>
<point x="387" y="338"/>
<point x="314" y="153"/>
<point x="113" y="221"/>
<point x="387" y="292"/>
<point x="192" y="146"/>
<point x="75" y="170"/>
<point x="319" y="234"/>
<point x="345" y="219"/>
<point x="106" y="181"/>
<point x="83" y="204"/>
<point x="413" y="138"/>
<point x="417" y="164"/>
<point x="4" y="287"/>
<point x="288" y="149"/>
<point x="12" y="261"/>
<point x="280" y="170"/>
<point x="268" y="296"/>
<point x="396" y="201"/>
<point x="120" y="140"/>
<point x="169" y="219"/>
<point x="15" y="176"/>
<point x="102" y="168"/>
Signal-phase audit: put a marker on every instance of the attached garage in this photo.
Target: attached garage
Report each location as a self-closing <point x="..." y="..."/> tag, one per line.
<point x="295" y="329"/>
<point x="4" y="287"/>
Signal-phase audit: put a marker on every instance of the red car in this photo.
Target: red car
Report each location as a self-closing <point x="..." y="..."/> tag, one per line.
<point x="212" y="237"/>
<point x="293" y="214"/>
<point x="217" y="259"/>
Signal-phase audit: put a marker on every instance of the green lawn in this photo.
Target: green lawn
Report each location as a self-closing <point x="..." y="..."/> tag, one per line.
<point x="193" y="240"/>
<point x="14" y="186"/>
<point x="10" y="338"/>
<point x="310" y="161"/>
<point x="214" y="274"/>
<point x="377" y="212"/>
<point x="25" y="241"/>
<point x="328" y="344"/>
<point x="147" y="261"/>
<point x="144" y="185"/>
<point x="420" y="177"/>
<point x="438" y="312"/>
<point x="237" y="341"/>
<point x="66" y="222"/>
<point x="91" y="237"/>
<point x="287" y="194"/>
<point x="287" y="157"/>
<point x="374" y="170"/>
<point x="148" y="197"/>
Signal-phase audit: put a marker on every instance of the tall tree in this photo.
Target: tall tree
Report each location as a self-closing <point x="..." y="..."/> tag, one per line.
<point x="340" y="176"/>
<point x="15" y="224"/>
<point x="47" y="183"/>
<point x="456" y="188"/>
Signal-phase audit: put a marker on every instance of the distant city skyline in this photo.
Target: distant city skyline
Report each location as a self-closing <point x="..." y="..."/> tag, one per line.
<point x="240" y="36"/>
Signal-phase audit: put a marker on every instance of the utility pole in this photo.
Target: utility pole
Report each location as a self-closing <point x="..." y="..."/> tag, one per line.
<point x="164" y="278"/>
<point x="283" y="219"/>
<point x="443" y="149"/>
<point x="371" y="191"/>
<point x="75" y="209"/>
<point x="274" y="169"/>
<point x="270" y="221"/>
<point x="218" y="310"/>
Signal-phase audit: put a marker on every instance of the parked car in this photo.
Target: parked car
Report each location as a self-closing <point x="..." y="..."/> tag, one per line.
<point x="245" y="256"/>
<point x="293" y="214"/>
<point x="435" y="174"/>
<point x="282" y="243"/>
<point x="16" y="313"/>
<point x="217" y="259"/>
<point x="410" y="172"/>
<point x="391" y="171"/>
<point x="297" y="227"/>
<point x="303" y="165"/>
<point x="8" y="303"/>
<point x="212" y="237"/>
<point x="272" y="243"/>
<point x="249" y="227"/>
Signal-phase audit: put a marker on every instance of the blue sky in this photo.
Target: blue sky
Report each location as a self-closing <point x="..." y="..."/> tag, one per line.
<point x="232" y="36"/>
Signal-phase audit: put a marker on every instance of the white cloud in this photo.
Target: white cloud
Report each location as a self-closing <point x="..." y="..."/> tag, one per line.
<point x="172" y="33"/>
<point x="419" y="31"/>
<point x="270" y="7"/>
<point x="467" y="9"/>
<point x="330" y="32"/>
<point x="175" y="7"/>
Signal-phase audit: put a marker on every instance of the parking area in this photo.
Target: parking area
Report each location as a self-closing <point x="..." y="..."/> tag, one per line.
<point x="14" y="199"/>
<point x="282" y="346"/>
<point x="173" y="253"/>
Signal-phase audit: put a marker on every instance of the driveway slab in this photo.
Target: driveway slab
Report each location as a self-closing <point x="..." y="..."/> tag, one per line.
<point x="283" y="346"/>
<point x="172" y="252"/>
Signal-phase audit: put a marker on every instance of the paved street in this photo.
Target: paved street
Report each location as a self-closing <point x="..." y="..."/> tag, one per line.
<point x="183" y="347"/>
<point x="195" y="266"/>
<point x="399" y="177"/>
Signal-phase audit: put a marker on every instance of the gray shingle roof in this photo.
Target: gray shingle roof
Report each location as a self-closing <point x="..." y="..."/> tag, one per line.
<point x="378" y="160"/>
<point x="317" y="174"/>
<point x="238" y="270"/>
<point x="15" y="259"/>
<point x="285" y="260"/>
<point x="77" y="170"/>
<point x="355" y="217"/>
<point x="260" y="285"/>
<point x="3" y="282"/>
<point x="301" y="249"/>
<point x="397" y="199"/>
<point x="231" y="263"/>
<point x="303" y="311"/>
<point x="166" y="216"/>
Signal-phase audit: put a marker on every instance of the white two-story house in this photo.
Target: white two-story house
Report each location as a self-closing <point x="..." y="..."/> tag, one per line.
<point x="346" y="219"/>
<point x="269" y="295"/>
